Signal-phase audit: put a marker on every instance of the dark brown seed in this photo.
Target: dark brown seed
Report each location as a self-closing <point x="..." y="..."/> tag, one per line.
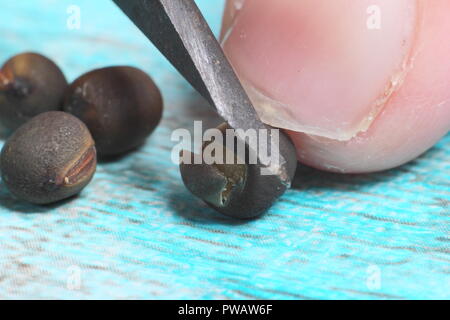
<point x="49" y="158"/>
<point x="220" y="185"/>
<point x="238" y="189"/>
<point x="216" y="184"/>
<point x="120" y="105"/>
<point x="30" y="84"/>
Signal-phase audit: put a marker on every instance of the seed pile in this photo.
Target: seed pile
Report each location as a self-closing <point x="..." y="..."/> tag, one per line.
<point x="57" y="129"/>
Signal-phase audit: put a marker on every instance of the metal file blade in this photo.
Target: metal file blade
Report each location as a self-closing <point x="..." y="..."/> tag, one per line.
<point x="178" y="29"/>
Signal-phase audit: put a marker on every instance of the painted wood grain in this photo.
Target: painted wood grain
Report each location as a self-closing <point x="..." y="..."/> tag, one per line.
<point x="136" y="232"/>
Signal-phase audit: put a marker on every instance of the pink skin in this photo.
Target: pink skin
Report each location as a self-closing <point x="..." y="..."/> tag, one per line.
<point x="353" y="99"/>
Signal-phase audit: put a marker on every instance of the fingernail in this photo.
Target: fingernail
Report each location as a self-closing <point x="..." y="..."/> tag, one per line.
<point x="325" y="68"/>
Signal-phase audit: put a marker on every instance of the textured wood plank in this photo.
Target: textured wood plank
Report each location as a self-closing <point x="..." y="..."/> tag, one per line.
<point x="135" y="232"/>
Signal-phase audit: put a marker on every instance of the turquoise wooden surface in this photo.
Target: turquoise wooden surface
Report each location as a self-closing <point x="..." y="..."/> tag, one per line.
<point x="135" y="232"/>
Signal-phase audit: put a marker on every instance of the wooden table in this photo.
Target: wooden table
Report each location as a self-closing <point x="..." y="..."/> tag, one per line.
<point x="136" y="232"/>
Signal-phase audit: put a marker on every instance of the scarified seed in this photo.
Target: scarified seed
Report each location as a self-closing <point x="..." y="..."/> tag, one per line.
<point x="49" y="158"/>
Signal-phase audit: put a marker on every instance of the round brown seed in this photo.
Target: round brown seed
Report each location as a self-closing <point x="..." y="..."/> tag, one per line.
<point x="30" y="84"/>
<point x="49" y="158"/>
<point x="120" y="105"/>
<point x="217" y="184"/>
<point x="238" y="188"/>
